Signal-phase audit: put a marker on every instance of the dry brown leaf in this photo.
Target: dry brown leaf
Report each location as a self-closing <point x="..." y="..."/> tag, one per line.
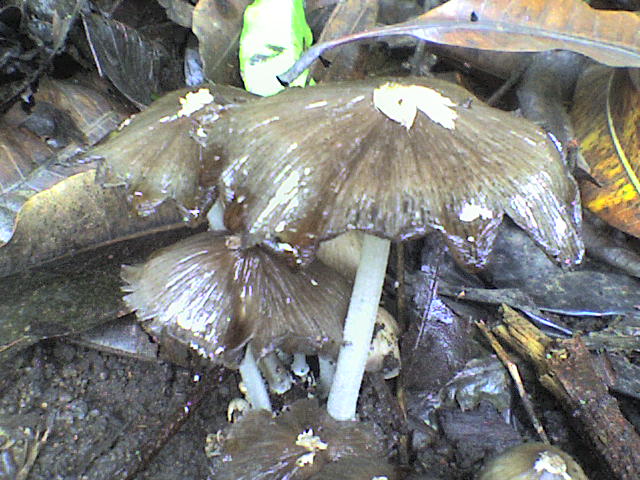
<point x="217" y="24"/>
<point x="347" y="17"/>
<point x="79" y="116"/>
<point x="76" y="214"/>
<point x="609" y="37"/>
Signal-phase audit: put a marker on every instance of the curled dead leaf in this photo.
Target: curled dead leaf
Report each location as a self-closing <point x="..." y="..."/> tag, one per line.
<point x="605" y="114"/>
<point x="608" y="37"/>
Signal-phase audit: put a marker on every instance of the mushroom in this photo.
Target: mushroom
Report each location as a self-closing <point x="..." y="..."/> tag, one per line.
<point x="303" y="442"/>
<point x="384" y="353"/>
<point x="208" y="293"/>
<point x="395" y="158"/>
<point x="154" y="156"/>
<point x="533" y="461"/>
<point x="342" y="253"/>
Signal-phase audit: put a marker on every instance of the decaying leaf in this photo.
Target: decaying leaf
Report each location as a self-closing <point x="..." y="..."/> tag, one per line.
<point x="33" y="34"/>
<point x="587" y="290"/>
<point x="303" y="442"/>
<point x="93" y="113"/>
<point x="73" y="215"/>
<point x="217" y="24"/>
<point x="138" y="66"/>
<point x="71" y="118"/>
<point x="208" y="293"/>
<point x="605" y="115"/>
<point x="21" y="152"/>
<point x="178" y="11"/>
<point x="608" y="37"/>
<point x="309" y="164"/>
<point x="155" y="157"/>
<point x="68" y="297"/>
<point x="347" y="17"/>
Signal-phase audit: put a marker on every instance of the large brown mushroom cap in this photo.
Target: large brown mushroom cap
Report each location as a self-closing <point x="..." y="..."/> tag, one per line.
<point x="216" y="297"/>
<point x="155" y="157"/>
<point x="308" y="164"/>
<point x="303" y="442"/>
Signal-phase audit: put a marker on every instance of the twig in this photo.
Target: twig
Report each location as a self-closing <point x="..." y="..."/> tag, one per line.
<point x="567" y="369"/>
<point x="515" y="375"/>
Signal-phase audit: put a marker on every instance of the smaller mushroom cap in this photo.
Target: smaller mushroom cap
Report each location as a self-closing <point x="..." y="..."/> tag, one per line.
<point x="384" y="353"/>
<point x="214" y="296"/>
<point x="302" y="442"/>
<point x="154" y="156"/>
<point x="533" y="461"/>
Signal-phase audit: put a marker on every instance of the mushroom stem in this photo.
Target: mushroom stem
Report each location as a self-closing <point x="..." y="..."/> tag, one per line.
<point x="299" y="366"/>
<point x="358" y="328"/>
<point x="216" y="216"/>
<point x="276" y="374"/>
<point x="253" y="382"/>
<point x="327" y="372"/>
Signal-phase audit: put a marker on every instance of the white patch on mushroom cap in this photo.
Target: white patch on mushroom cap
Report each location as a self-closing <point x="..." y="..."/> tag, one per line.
<point x="321" y="103"/>
<point x="191" y="102"/>
<point x="305" y="459"/>
<point x="471" y="212"/>
<point x="401" y="104"/>
<point x="552" y="463"/>
<point x="561" y="226"/>
<point x="310" y="442"/>
<point x="194" y="101"/>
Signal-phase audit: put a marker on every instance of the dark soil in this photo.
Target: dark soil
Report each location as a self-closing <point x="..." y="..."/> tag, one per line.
<point x="103" y="410"/>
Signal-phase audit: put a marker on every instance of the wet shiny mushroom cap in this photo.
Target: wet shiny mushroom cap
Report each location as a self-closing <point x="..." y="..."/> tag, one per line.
<point x="154" y="156"/>
<point x="302" y="442"/>
<point x="533" y="461"/>
<point x="207" y="292"/>
<point x="395" y="158"/>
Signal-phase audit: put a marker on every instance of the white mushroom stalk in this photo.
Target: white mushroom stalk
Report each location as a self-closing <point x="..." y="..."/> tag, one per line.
<point x="253" y="382"/>
<point x="358" y="328"/>
<point x="401" y="104"/>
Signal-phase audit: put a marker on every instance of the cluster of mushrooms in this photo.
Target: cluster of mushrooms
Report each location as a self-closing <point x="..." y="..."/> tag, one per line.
<point x="394" y="158"/>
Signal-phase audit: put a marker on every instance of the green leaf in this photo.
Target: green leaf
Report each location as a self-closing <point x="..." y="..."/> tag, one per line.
<point x="274" y="35"/>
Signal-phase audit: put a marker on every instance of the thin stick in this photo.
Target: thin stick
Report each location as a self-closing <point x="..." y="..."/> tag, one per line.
<point x="515" y="375"/>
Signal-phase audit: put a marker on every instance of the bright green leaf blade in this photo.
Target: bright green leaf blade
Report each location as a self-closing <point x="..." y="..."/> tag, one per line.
<point x="274" y="35"/>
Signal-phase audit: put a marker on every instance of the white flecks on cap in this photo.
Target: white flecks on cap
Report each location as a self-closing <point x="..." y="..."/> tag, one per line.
<point x="402" y="102"/>
<point x="471" y="212"/>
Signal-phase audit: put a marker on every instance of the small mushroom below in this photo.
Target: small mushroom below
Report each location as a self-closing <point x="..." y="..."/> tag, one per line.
<point x="217" y="298"/>
<point x="533" y="461"/>
<point x="384" y="354"/>
<point x="302" y="442"/>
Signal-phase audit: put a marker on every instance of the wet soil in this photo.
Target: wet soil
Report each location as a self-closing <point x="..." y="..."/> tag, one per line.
<point x="102" y="410"/>
<point x="105" y="413"/>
